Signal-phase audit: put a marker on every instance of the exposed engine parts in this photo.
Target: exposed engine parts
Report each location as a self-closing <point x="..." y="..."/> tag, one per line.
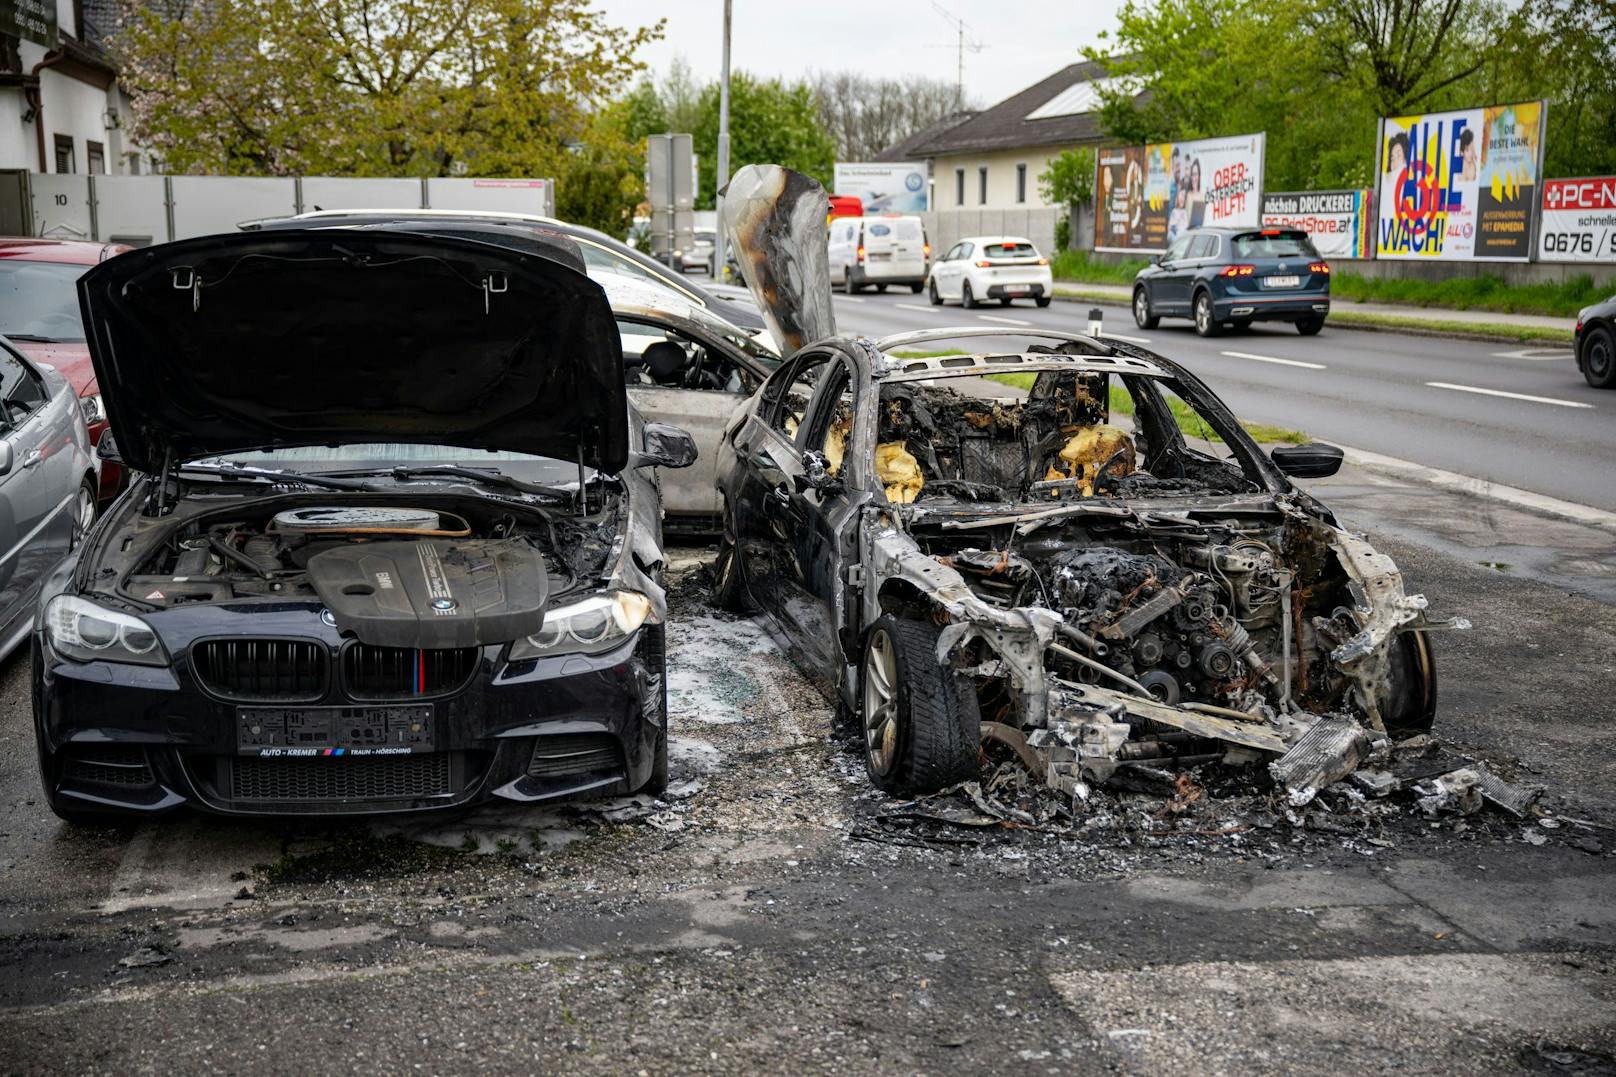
<point x="320" y="549"/>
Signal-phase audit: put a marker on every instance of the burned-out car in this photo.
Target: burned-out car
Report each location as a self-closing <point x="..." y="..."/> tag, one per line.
<point x="393" y="544"/>
<point x="1071" y="547"/>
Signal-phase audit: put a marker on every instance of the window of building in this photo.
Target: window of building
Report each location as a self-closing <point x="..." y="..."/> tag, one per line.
<point x="1021" y="183"/>
<point x="95" y="158"/>
<point x="959" y="186"/>
<point x="982" y="185"/>
<point x="64" y="154"/>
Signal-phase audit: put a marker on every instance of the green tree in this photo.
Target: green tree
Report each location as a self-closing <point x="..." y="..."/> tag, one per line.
<point x="375" y="87"/>
<point x="769" y="121"/>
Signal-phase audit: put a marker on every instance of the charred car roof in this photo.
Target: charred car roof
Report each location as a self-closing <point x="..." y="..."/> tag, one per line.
<point x="428" y="333"/>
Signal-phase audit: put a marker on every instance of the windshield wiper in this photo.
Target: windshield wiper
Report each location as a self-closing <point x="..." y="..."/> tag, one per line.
<point x="35" y="338"/>
<point x="487" y="478"/>
<point x="237" y="471"/>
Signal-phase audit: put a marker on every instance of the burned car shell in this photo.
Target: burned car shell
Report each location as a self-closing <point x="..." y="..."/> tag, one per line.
<point x="279" y="685"/>
<point x="826" y="564"/>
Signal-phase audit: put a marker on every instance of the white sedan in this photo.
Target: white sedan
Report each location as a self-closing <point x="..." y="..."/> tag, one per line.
<point x="982" y="268"/>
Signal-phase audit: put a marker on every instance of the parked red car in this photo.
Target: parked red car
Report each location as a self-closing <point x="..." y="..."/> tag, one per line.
<point x="39" y="313"/>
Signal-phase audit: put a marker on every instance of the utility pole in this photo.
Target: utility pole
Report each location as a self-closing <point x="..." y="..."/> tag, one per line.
<point x="960" y="47"/>
<point x="721" y="167"/>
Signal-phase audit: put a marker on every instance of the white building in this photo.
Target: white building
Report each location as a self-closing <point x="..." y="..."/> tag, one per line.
<point x="984" y="166"/>
<point x="61" y="108"/>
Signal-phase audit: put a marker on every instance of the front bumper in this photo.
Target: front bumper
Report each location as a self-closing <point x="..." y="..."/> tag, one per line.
<point x="140" y="739"/>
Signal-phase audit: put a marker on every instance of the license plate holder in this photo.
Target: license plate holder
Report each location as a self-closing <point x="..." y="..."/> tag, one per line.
<point x="1282" y="282"/>
<point x="401" y="729"/>
<point x="1016" y="289"/>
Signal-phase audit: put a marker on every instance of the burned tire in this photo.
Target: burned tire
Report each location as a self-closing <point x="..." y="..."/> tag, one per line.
<point x="1599" y="359"/>
<point x="1410" y="704"/>
<point x="967" y="299"/>
<point x="657" y="783"/>
<point x="1206" y="319"/>
<point x="920" y="727"/>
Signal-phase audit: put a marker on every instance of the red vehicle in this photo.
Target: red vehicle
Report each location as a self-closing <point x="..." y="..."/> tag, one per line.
<point x="39" y="313"/>
<point x="845" y="205"/>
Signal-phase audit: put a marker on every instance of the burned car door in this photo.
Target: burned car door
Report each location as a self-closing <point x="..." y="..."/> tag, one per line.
<point x="809" y="518"/>
<point x="694" y="384"/>
<point x="769" y="463"/>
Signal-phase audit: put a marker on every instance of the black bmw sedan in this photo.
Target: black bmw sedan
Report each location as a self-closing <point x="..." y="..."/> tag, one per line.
<point x="1230" y="277"/>
<point x="393" y="542"/>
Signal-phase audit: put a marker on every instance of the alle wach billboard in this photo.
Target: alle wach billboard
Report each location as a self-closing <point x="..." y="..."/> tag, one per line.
<point x="1460" y="186"/>
<point x="884" y="187"/>
<point x="1579" y="220"/>
<point x="1338" y="222"/>
<point x="1146" y="195"/>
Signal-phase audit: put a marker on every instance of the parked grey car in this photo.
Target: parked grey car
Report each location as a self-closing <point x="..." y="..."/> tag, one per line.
<point x="47" y="483"/>
<point x="688" y="367"/>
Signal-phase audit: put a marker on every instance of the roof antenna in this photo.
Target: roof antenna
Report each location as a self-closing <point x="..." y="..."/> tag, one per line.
<point x="960" y="47"/>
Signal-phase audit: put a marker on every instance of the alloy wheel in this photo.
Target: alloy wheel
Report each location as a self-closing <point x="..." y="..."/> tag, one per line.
<point x="881" y="704"/>
<point x="1141" y="307"/>
<point x="1203" y="313"/>
<point x="1600" y="357"/>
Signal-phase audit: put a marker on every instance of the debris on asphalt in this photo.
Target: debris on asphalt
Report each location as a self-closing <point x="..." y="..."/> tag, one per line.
<point x="146" y="957"/>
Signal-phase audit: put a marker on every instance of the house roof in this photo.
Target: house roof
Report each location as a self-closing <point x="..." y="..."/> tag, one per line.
<point x="1006" y="125"/>
<point x="909" y="148"/>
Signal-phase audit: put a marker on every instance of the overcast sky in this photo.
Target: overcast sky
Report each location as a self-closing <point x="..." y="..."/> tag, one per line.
<point x="1023" y="43"/>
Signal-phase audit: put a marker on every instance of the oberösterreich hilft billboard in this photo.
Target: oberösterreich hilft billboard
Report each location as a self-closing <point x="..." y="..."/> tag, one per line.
<point x="1460" y="185"/>
<point x="1146" y="195"/>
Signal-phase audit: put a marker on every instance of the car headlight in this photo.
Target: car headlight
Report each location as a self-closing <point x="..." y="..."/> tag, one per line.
<point x="85" y="632"/>
<point x="90" y="404"/>
<point x="597" y="623"/>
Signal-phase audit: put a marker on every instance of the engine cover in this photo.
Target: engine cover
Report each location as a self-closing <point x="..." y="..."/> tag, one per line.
<point x="431" y="593"/>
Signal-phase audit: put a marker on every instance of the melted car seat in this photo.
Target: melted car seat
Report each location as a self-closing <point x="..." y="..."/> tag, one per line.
<point x="665" y="361"/>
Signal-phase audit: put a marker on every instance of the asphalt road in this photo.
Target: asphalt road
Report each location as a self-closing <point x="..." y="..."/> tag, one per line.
<point x="1519" y="416"/>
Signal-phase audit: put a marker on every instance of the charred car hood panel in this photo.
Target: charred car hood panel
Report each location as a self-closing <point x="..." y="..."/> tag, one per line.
<point x="334" y="336"/>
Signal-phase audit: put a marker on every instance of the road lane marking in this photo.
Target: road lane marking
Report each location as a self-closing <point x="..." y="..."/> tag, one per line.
<point x="1469" y="484"/>
<point x="1509" y="396"/>
<point x="849" y="299"/>
<point x="1538" y="355"/>
<point x="911" y="306"/>
<point x="1006" y="321"/>
<point x="1274" y="359"/>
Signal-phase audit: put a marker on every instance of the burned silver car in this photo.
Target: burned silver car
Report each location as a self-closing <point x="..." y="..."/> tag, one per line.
<point x="1071" y="547"/>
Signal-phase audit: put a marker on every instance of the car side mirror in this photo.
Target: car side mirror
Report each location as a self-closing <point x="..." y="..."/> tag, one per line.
<point x="1155" y="259"/>
<point x="107" y="449"/>
<point x="666" y="446"/>
<point x="5" y="458"/>
<point x="817" y="474"/>
<point x="1315" y="460"/>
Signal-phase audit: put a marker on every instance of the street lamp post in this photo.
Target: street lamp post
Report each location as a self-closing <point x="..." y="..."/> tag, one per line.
<point x="721" y="170"/>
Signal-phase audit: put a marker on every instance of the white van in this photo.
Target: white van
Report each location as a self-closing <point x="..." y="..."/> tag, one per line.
<point x="878" y="250"/>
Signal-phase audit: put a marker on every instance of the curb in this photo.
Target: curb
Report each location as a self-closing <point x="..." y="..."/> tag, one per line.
<point x="1495" y="491"/>
<point x="1346" y="318"/>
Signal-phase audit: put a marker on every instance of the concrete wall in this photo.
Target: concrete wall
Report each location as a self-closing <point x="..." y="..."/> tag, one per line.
<point x="945" y="227"/>
<point x="1397" y="269"/>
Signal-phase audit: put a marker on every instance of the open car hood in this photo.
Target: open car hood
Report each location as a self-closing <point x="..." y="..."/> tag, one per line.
<point x="774" y="220"/>
<point x="434" y="335"/>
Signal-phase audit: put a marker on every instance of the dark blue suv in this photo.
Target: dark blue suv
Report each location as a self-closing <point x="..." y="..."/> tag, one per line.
<point x="1235" y="276"/>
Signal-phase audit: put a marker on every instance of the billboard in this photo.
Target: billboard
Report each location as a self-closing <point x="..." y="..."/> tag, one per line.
<point x="1146" y="195"/>
<point x="1579" y="220"/>
<point x="1336" y="221"/>
<point x="884" y="187"/>
<point x="1459" y="185"/>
